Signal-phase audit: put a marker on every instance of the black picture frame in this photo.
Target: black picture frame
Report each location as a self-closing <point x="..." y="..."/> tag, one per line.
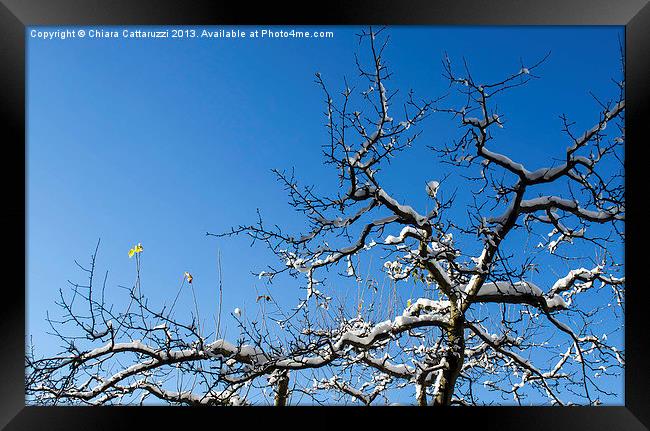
<point x="15" y="15"/>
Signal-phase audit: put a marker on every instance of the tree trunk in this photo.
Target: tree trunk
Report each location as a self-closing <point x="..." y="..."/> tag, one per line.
<point x="282" y="390"/>
<point x="421" y="394"/>
<point x="454" y="361"/>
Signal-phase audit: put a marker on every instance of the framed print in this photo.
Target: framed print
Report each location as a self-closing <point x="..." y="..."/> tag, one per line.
<point x="347" y="216"/>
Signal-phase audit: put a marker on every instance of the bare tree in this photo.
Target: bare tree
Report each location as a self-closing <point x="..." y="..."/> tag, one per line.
<point x="481" y="323"/>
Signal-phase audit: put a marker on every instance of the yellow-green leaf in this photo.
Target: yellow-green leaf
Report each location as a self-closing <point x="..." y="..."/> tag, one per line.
<point x="135" y="249"/>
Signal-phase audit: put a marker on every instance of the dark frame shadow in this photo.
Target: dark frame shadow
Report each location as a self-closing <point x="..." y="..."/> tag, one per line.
<point x="15" y="15"/>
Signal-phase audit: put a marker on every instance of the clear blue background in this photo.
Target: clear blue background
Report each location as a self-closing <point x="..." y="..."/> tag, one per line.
<point x="160" y="141"/>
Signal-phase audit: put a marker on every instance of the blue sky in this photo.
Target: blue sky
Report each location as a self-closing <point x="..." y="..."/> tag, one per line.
<point x="160" y="141"/>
